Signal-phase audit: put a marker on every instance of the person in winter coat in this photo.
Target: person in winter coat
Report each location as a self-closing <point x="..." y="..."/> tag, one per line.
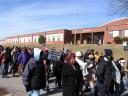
<point x="23" y="58"/>
<point x="34" y="77"/>
<point x="6" y="59"/>
<point x="14" y="64"/>
<point x="3" y="63"/>
<point x="58" y="71"/>
<point x="70" y="75"/>
<point x="84" y="72"/>
<point x="104" y="73"/>
<point x="1" y="49"/>
<point x="119" y="86"/>
<point x="125" y="45"/>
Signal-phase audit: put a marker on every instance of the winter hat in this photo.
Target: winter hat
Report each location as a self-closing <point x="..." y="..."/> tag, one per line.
<point x="108" y="52"/>
<point x="90" y="56"/>
<point x="37" y="53"/>
<point x="78" y="53"/>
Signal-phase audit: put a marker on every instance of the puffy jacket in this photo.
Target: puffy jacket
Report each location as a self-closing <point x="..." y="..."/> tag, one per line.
<point x="34" y="75"/>
<point x="23" y="58"/>
<point x="104" y="72"/>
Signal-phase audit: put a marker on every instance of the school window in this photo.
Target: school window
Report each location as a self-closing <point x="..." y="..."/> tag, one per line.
<point x="120" y="32"/>
<point x="35" y="40"/>
<point x="28" y="40"/>
<point x="110" y="34"/>
<point x="58" y="38"/>
<point x="53" y="38"/>
<point x="49" y="39"/>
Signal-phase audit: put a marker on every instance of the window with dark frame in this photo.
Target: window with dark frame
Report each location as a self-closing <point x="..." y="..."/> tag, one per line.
<point x="53" y="38"/>
<point x="58" y="38"/>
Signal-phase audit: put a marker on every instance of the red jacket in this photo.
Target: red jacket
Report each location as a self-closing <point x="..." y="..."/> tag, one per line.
<point x="2" y="57"/>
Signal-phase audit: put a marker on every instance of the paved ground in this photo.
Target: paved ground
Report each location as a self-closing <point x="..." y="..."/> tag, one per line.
<point x="15" y="87"/>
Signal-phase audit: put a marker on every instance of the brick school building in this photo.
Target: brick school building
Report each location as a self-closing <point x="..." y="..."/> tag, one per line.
<point x="101" y="34"/>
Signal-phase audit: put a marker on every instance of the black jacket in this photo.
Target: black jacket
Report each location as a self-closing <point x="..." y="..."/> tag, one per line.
<point x="104" y="72"/>
<point x="34" y="76"/>
<point x="70" y="80"/>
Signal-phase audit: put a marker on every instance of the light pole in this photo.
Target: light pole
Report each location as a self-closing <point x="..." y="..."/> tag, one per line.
<point x="75" y="37"/>
<point x="75" y="26"/>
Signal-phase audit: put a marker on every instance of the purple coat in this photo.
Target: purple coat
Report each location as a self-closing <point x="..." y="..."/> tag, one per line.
<point x="23" y="58"/>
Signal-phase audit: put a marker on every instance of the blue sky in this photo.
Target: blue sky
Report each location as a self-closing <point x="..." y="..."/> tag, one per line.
<point x="30" y="16"/>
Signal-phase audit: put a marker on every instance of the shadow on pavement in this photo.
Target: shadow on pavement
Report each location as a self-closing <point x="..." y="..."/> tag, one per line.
<point x="3" y="92"/>
<point x="52" y="91"/>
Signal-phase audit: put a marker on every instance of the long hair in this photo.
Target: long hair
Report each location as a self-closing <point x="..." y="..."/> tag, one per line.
<point x="41" y="57"/>
<point x="69" y="57"/>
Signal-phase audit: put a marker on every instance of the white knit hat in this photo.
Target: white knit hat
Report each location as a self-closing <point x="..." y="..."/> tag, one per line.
<point x="90" y="56"/>
<point x="78" y="53"/>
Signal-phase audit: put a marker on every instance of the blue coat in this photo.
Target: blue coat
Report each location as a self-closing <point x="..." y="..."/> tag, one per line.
<point x="23" y="58"/>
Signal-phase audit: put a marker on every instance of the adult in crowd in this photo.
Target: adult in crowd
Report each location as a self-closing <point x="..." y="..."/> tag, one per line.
<point x="14" y="65"/>
<point x="58" y="71"/>
<point x="70" y="75"/>
<point x="85" y="56"/>
<point x="125" y="45"/>
<point x="91" y="69"/>
<point x="84" y="72"/>
<point x="118" y="78"/>
<point x="34" y="77"/>
<point x="5" y="61"/>
<point x="1" y="49"/>
<point x="104" y="73"/>
<point x="23" y="58"/>
<point x="120" y="88"/>
<point x="46" y="63"/>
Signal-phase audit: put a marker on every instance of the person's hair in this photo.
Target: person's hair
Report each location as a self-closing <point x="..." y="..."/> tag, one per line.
<point x="92" y="51"/>
<point x="41" y="56"/>
<point x="68" y="59"/>
<point x="121" y="58"/>
<point x="31" y="54"/>
<point x="97" y="53"/>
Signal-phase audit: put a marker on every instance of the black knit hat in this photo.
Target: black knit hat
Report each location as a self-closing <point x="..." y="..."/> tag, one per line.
<point x="108" y="52"/>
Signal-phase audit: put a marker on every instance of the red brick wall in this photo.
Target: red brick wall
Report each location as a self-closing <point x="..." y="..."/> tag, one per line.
<point x="68" y="37"/>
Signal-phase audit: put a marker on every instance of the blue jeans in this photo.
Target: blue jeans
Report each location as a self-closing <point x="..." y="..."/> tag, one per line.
<point x="34" y="93"/>
<point x="5" y="69"/>
<point x="101" y="89"/>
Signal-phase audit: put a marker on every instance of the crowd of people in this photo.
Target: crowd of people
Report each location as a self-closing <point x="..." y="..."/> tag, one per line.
<point x="76" y="73"/>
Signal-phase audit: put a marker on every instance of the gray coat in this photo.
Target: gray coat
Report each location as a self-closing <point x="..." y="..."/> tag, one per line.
<point x="34" y="75"/>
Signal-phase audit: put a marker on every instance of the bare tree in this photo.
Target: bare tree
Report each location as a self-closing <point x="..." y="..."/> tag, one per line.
<point x="119" y="7"/>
